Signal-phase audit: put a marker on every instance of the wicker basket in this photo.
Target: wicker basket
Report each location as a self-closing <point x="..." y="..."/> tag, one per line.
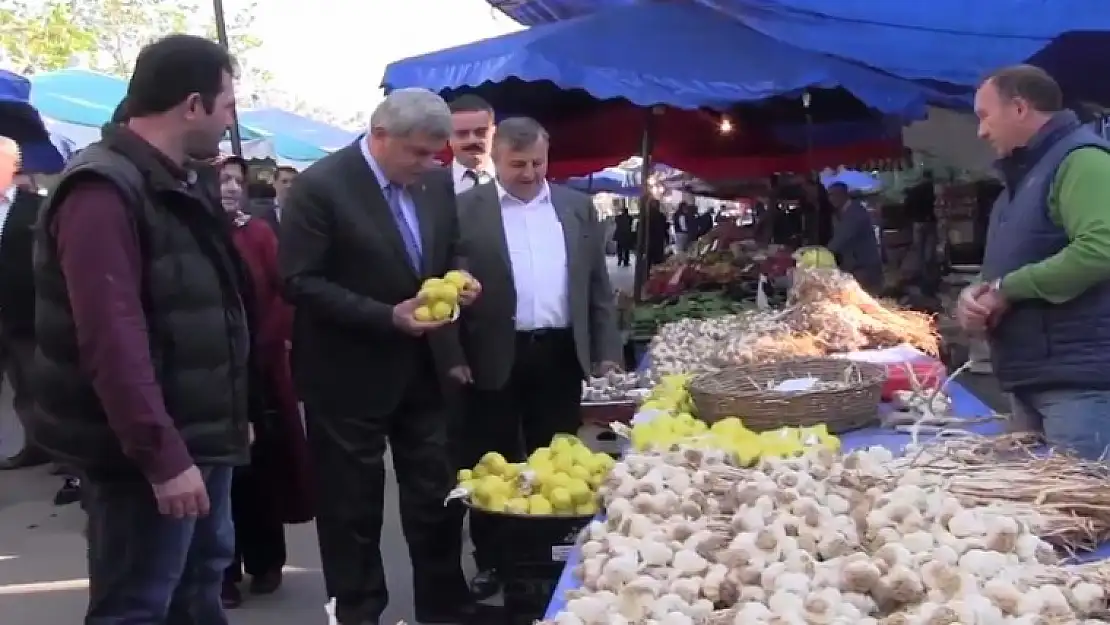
<point x="738" y="392"/>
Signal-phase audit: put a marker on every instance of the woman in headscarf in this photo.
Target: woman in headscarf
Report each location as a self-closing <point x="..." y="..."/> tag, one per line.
<point x="274" y="489"/>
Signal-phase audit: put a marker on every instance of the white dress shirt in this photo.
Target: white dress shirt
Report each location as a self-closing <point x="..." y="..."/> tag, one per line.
<point x="538" y="255"/>
<point x="463" y="181"/>
<point x="6" y="199"/>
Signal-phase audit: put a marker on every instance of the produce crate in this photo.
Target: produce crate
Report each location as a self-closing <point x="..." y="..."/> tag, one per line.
<point x="532" y="553"/>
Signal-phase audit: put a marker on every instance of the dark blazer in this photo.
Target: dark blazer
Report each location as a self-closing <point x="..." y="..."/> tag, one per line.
<point x="344" y="265"/>
<point x="488" y="324"/>
<point x="17" y="283"/>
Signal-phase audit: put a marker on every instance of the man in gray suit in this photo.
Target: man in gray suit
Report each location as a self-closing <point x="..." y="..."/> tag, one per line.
<point x="360" y="230"/>
<point x="547" y="314"/>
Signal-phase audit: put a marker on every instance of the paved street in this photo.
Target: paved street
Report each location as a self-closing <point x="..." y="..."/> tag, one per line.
<point x="42" y="567"/>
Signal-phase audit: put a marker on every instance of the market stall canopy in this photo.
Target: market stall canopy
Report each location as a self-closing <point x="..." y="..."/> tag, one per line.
<point x="281" y="124"/>
<point x="79" y="102"/>
<point x="950" y="41"/>
<point x="680" y="55"/>
<point x="41" y="153"/>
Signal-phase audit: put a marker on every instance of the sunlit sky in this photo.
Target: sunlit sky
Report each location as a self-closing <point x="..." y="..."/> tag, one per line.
<point x="333" y="53"/>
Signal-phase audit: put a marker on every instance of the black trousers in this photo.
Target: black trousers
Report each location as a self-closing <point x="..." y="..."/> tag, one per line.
<point x="624" y="254"/>
<point x="541" y="399"/>
<point x="348" y="449"/>
<point x="259" y="532"/>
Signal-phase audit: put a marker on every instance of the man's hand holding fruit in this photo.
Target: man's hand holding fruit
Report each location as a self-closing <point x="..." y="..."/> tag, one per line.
<point x="437" y="303"/>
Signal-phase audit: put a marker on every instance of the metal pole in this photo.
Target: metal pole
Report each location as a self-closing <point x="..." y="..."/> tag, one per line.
<point x="221" y="35"/>
<point x="642" y="268"/>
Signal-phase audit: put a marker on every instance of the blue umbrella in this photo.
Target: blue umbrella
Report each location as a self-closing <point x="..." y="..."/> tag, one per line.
<point x="696" y="59"/>
<point x="21" y="122"/>
<point x="285" y="124"/>
<point x="86" y="98"/>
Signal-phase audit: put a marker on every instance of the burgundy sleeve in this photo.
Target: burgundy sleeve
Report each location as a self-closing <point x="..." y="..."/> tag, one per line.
<point x="98" y="248"/>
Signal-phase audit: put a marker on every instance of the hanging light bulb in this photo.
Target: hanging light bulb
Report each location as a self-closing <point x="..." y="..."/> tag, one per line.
<point x="725" y="126"/>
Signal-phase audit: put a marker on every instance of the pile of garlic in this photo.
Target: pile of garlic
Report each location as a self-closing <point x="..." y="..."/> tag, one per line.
<point x="814" y="540"/>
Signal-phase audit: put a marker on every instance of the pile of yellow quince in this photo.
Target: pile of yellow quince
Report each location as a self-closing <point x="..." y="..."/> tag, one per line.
<point x="439" y="297"/>
<point x="745" y="446"/>
<point x="669" y="395"/>
<point x="560" y="479"/>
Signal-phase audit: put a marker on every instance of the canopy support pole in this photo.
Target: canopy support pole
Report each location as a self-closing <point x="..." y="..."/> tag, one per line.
<point x="221" y="34"/>
<point x="646" y="147"/>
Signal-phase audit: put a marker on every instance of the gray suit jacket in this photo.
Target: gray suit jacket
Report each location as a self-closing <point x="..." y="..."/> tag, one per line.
<point x="345" y="267"/>
<point x="488" y="325"/>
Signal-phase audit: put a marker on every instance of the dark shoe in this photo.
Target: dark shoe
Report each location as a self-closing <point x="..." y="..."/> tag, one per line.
<point x="485" y="585"/>
<point x="462" y="615"/>
<point x="267" y="583"/>
<point x="70" y="492"/>
<point x="230" y="596"/>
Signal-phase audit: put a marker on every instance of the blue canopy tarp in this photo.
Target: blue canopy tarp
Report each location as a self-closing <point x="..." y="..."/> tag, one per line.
<point x="643" y="54"/>
<point x="951" y="41"/>
<point x="86" y="98"/>
<point x="21" y="122"/>
<point x="282" y="123"/>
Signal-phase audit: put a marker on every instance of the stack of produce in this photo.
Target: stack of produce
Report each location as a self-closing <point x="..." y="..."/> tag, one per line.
<point x="561" y="479"/>
<point x="717" y="269"/>
<point x="827" y="313"/>
<point x="648" y="318"/>
<point x="666" y="419"/>
<point x="616" y="386"/>
<point x="816" y="539"/>
<point x="439" y="297"/>
<point x="1066" y="500"/>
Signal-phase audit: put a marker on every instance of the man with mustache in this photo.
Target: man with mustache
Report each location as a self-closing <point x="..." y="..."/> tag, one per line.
<point x="472" y="123"/>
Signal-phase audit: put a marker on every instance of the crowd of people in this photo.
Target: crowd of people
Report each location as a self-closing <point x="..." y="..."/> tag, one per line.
<point x="217" y="357"/>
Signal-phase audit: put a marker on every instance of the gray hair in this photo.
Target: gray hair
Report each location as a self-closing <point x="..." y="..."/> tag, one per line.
<point x="405" y="112"/>
<point x="519" y="133"/>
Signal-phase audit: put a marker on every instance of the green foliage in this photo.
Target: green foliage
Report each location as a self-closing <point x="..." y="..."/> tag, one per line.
<point x="43" y="39"/>
<point x="110" y="33"/>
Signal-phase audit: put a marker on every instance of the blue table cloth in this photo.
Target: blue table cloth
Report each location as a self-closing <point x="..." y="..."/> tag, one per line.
<point x="964" y="404"/>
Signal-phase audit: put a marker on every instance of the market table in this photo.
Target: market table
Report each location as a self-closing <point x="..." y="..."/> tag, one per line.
<point x="964" y="404"/>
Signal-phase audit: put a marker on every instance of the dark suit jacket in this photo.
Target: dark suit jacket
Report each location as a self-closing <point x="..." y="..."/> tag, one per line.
<point x="488" y="325"/>
<point x="344" y="264"/>
<point x="17" y="282"/>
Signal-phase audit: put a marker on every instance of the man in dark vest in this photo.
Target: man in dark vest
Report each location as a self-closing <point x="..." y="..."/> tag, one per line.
<point x="142" y="368"/>
<point x="1044" y="301"/>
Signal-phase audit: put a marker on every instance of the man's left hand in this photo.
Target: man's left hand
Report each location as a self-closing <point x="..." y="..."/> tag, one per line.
<point x="606" y="366"/>
<point x="994" y="301"/>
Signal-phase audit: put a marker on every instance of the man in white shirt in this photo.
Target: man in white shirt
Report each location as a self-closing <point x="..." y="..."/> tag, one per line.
<point x="547" y="315"/>
<point x="472" y="122"/>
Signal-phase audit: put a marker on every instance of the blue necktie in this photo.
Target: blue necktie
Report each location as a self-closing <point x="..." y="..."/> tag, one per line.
<point x="394" y="194"/>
